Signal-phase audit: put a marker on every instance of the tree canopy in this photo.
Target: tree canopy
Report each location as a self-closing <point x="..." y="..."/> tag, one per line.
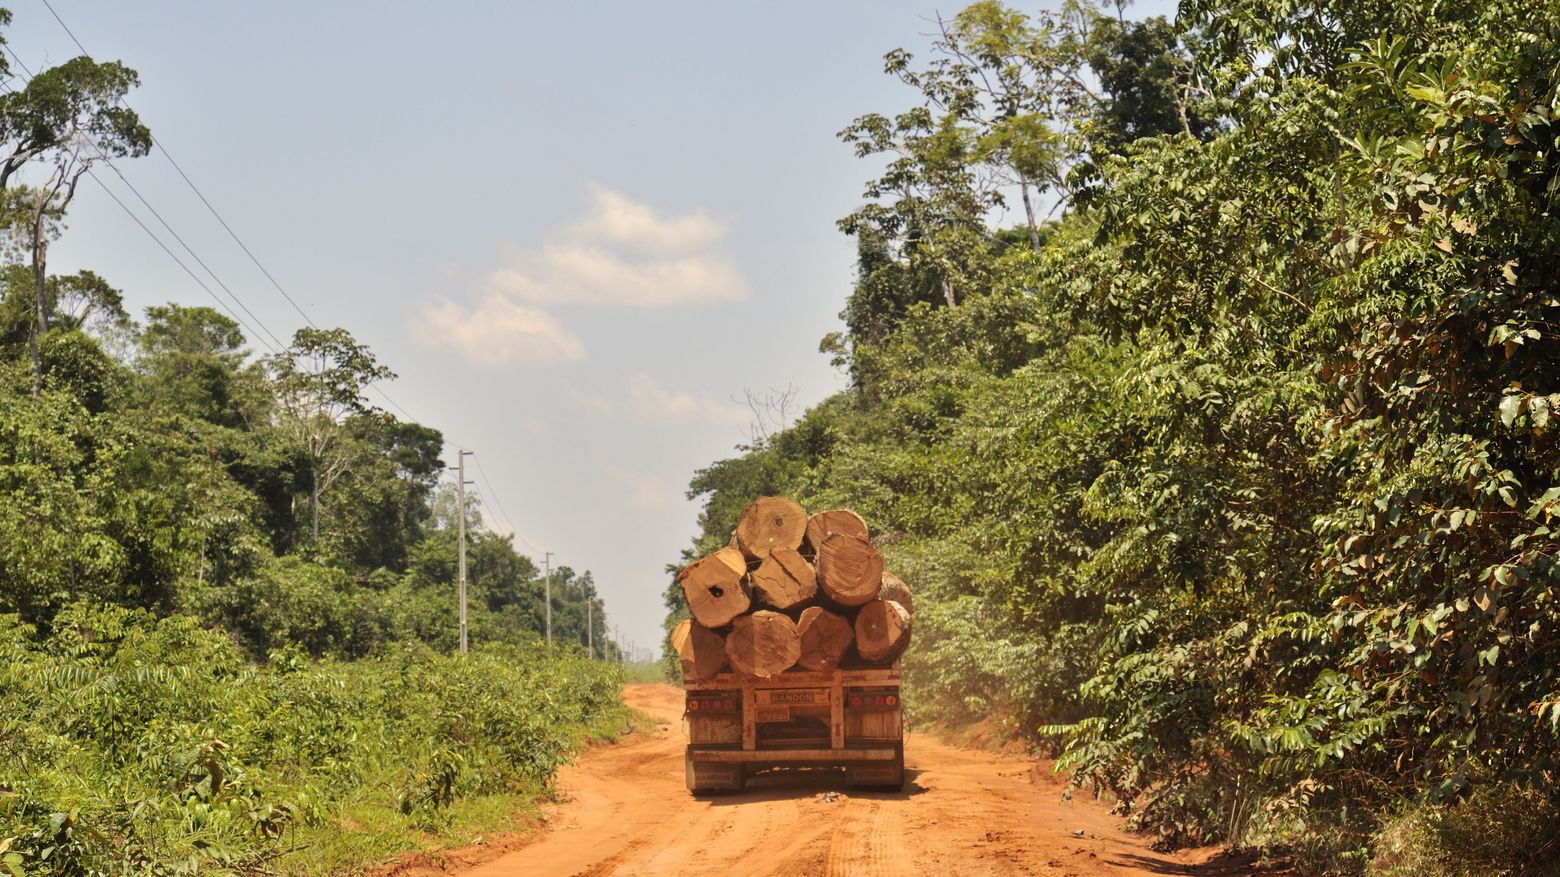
<point x="1246" y="450"/>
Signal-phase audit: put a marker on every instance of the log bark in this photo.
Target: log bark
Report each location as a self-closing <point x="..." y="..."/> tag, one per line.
<point x="784" y="580"/>
<point x="763" y="644"/>
<point x="826" y="523"/>
<point x="850" y="570"/>
<point x="882" y="631"/>
<point x="825" y="638"/>
<point x="702" y="651"/>
<point x="894" y="588"/>
<point x="714" y="589"/>
<point x="770" y="522"/>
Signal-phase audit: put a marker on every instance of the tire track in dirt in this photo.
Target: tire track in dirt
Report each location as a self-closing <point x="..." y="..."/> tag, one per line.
<point x="626" y="813"/>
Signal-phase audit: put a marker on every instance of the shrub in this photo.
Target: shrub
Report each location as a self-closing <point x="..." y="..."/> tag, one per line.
<point x="133" y="742"/>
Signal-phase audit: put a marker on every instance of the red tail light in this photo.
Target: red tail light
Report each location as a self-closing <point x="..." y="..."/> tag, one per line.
<point x="693" y="705"/>
<point x="878" y="700"/>
<point x="892" y="700"/>
<point x="729" y="705"/>
<point x="855" y="700"/>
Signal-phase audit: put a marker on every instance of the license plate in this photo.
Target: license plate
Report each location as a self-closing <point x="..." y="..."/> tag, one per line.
<point x="772" y="714"/>
<point x="792" y="697"/>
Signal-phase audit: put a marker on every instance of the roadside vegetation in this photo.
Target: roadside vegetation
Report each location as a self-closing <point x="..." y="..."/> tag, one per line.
<point x="1204" y="379"/>
<point x="134" y="744"/>
<point x="227" y="602"/>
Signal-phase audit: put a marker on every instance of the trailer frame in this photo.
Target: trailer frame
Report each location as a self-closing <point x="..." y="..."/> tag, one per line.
<point x="774" y="723"/>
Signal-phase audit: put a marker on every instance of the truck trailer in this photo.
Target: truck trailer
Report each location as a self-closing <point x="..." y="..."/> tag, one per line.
<point x="848" y="718"/>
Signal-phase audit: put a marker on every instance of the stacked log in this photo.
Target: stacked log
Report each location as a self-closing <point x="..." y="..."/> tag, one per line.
<point x="715" y="588"/>
<point x="702" y="651"/>
<point x="763" y="644"/>
<point x="791" y="593"/>
<point x="825" y="638"/>
<point x="894" y="588"/>
<point x="882" y="630"/>
<point x="784" y="579"/>
<point x="850" y="570"/>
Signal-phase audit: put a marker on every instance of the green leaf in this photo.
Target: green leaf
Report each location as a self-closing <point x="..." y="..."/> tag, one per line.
<point x="1510" y="407"/>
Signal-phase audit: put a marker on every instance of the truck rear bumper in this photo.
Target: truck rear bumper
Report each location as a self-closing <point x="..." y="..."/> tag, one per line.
<point x="790" y="756"/>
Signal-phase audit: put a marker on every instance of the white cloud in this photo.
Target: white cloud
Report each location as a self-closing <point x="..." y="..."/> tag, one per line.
<point x="626" y="254"/>
<point x="585" y="273"/>
<point x="615" y="219"/>
<point x="499" y="331"/>
<point x="622" y="253"/>
<point x="593" y="402"/>
<point x="651" y="401"/>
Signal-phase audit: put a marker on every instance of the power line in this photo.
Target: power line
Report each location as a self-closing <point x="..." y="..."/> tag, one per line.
<point x="165" y="248"/>
<point x="196" y="189"/>
<point x="222" y="221"/>
<point x="216" y="214"/>
<point x="488" y="483"/>
<point x="180" y="263"/>
<point x="234" y="296"/>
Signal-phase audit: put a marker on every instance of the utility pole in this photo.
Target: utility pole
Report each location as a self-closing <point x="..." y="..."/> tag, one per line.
<point x="590" y="628"/>
<point x="460" y="514"/>
<point x="547" y="561"/>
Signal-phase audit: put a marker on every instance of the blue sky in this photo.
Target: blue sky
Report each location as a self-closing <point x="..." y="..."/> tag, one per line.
<point x="578" y="231"/>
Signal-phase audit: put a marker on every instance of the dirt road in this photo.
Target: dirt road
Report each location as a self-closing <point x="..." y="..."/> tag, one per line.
<point x="962" y="812"/>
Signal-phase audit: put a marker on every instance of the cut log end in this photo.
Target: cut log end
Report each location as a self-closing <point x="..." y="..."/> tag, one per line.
<point x="850" y="570"/>
<point x="826" y="523"/>
<point x="825" y="639"/>
<point x="713" y="588"/>
<point x="784" y="580"/>
<point x="701" y="651"/>
<point x="894" y="588"/>
<point x="770" y="522"/>
<point x="763" y="644"/>
<point x="882" y="631"/>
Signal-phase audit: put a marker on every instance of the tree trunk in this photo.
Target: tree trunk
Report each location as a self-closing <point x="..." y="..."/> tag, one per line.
<point x="784" y="580"/>
<point x="770" y="522"/>
<point x="1029" y="212"/>
<point x="825" y="638"/>
<point x="763" y="644"/>
<point x="702" y="651"/>
<point x="826" y="523"/>
<point x="40" y="317"/>
<point x="850" y="570"/>
<point x="894" y="588"/>
<point x="713" y="587"/>
<point x="882" y="631"/>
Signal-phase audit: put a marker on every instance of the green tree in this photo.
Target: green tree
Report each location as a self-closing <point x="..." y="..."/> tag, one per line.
<point x="66" y="119"/>
<point x="319" y="382"/>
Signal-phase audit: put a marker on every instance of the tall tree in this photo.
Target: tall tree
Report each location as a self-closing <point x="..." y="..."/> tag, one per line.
<point x="320" y="380"/>
<point x="65" y="118"/>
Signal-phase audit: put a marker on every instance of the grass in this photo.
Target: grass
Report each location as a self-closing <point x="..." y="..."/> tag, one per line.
<point x="132" y="743"/>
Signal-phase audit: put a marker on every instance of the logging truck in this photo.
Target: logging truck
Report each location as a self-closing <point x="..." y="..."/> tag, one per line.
<point x="791" y="655"/>
<point x="845" y="717"/>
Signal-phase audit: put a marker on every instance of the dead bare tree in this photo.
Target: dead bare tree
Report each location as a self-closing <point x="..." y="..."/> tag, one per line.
<point x="772" y="411"/>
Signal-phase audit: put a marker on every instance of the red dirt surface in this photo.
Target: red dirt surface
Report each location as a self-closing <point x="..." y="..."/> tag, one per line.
<point x="962" y="812"/>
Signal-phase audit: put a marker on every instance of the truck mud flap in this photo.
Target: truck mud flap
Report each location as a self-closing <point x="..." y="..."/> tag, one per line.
<point x="707" y="776"/>
<point x="880" y="775"/>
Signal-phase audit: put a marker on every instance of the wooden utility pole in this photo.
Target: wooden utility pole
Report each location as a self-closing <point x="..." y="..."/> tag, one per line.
<point x="547" y="562"/>
<point x="590" y="628"/>
<point x="460" y="513"/>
